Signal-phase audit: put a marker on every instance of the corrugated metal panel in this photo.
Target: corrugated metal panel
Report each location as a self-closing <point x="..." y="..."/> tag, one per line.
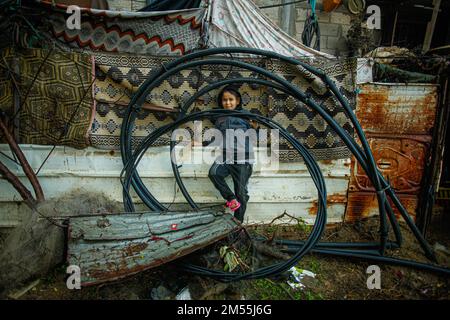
<point x="110" y="247"/>
<point x="398" y="120"/>
<point x="397" y="108"/>
<point x="272" y="192"/>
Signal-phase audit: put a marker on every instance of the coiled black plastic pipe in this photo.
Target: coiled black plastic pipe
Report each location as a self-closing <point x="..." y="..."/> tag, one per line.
<point x="363" y="155"/>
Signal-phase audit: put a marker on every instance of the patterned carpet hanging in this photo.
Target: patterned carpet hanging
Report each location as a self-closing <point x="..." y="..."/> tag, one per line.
<point x="56" y="94"/>
<point x="173" y="33"/>
<point x="119" y="76"/>
<point x="126" y="48"/>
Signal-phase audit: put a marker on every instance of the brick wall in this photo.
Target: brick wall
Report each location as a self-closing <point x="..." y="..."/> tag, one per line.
<point x="333" y="25"/>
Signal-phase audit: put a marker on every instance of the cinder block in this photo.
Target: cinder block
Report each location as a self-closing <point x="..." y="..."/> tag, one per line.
<point x="299" y="27"/>
<point x="339" y="45"/>
<point x="323" y="41"/>
<point x="340" y="18"/>
<point x="323" y="16"/>
<point x="301" y="14"/>
<point x="332" y="42"/>
<point x="345" y="29"/>
<point x="120" y="5"/>
<point x="328" y="29"/>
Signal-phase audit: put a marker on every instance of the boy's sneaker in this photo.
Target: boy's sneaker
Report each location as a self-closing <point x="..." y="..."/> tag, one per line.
<point x="233" y="204"/>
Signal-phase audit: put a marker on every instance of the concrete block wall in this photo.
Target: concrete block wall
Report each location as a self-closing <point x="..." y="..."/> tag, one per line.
<point x="126" y="5"/>
<point x="333" y="25"/>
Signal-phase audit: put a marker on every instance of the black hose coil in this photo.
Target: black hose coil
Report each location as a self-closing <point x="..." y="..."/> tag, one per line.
<point x="363" y="155"/>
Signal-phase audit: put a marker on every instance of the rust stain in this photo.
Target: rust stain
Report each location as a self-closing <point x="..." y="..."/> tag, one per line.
<point x="364" y="204"/>
<point x="371" y="114"/>
<point x="331" y="199"/>
<point x="337" y="198"/>
<point x="112" y="153"/>
<point x="103" y="223"/>
<point x="135" y="248"/>
<point x="397" y="109"/>
<point x="313" y="209"/>
<point x="398" y="120"/>
<point x="287" y="171"/>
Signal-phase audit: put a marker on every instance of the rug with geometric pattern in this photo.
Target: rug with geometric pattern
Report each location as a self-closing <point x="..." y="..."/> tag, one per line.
<point x="119" y="76"/>
<point x="56" y="95"/>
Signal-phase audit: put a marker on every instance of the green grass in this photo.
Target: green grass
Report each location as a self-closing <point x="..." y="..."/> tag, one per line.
<point x="265" y="289"/>
<point x="314" y="266"/>
<point x="303" y="227"/>
<point x="309" y="295"/>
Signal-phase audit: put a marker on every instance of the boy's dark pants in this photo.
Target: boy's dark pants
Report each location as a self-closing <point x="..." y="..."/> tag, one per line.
<point x="241" y="174"/>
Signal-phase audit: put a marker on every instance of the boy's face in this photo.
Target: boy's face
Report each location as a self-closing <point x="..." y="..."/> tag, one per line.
<point x="229" y="101"/>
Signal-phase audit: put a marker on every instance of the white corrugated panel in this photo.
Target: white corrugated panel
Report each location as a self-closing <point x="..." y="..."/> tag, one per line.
<point x="289" y="189"/>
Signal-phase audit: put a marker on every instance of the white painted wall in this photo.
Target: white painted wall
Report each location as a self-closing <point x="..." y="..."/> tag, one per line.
<point x="271" y="193"/>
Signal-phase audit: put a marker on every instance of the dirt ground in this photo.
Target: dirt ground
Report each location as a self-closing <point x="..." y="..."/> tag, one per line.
<point x="336" y="278"/>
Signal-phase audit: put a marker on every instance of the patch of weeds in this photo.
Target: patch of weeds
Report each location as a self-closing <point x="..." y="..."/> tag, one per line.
<point x="302" y="226"/>
<point x="268" y="290"/>
<point x="54" y="275"/>
<point x="271" y="229"/>
<point x="265" y="289"/>
<point x="315" y="266"/>
<point x="309" y="295"/>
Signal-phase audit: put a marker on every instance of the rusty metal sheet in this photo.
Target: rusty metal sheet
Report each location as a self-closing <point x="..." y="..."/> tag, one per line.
<point x="105" y="249"/>
<point x="332" y="200"/>
<point x="401" y="159"/>
<point x="364" y="204"/>
<point x="397" y="108"/>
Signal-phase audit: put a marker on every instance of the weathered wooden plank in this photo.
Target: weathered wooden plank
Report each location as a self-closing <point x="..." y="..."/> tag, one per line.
<point x="101" y="259"/>
<point x="133" y="226"/>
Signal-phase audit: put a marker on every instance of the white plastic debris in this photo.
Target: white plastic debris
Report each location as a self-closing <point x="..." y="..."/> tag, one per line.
<point x="184" y="294"/>
<point x="298" y="274"/>
<point x="440" y="247"/>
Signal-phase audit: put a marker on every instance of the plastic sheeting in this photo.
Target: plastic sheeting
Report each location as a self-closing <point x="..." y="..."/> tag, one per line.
<point x="242" y="24"/>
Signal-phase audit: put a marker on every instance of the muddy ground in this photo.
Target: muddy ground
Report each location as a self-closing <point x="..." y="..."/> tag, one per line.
<point x="336" y="278"/>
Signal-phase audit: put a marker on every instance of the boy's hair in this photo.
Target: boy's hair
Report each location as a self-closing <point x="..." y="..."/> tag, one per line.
<point x="234" y="91"/>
